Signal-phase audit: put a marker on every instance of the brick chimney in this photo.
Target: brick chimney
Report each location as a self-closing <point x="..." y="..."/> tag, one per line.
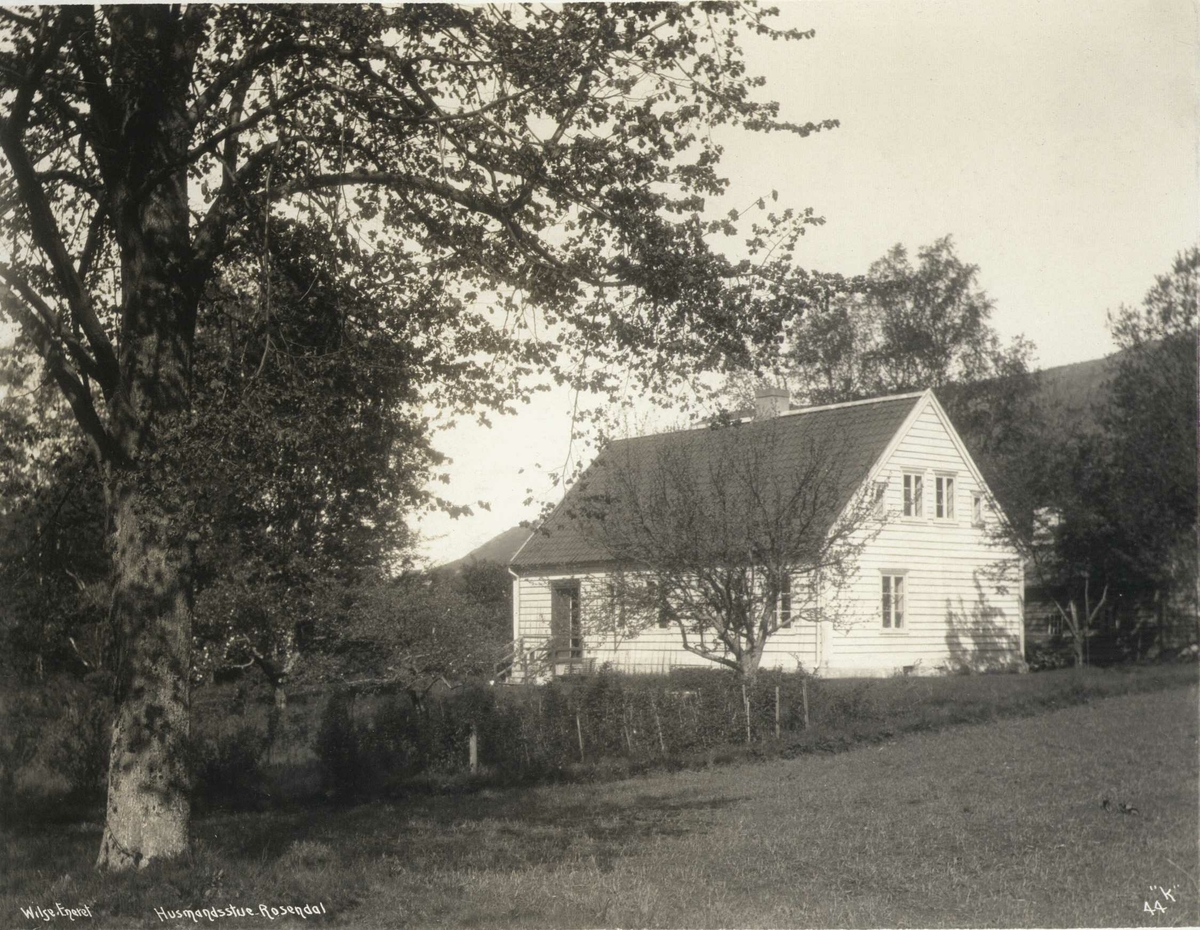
<point x="770" y="402"/>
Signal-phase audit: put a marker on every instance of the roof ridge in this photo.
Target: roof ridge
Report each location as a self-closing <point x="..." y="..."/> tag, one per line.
<point x="846" y="403"/>
<point x="707" y="427"/>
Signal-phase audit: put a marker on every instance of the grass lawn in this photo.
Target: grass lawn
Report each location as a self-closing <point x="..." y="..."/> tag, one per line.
<point x="997" y="824"/>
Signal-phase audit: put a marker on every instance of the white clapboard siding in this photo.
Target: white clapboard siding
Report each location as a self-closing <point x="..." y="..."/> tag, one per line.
<point x="963" y="597"/>
<point x="652" y="650"/>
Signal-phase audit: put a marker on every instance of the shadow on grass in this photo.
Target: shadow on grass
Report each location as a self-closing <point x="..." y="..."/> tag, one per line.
<point x="540" y="829"/>
<point x="336" y="855"/>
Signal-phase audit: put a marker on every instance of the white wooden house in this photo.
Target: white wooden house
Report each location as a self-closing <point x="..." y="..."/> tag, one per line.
<point x="935" y="588"/>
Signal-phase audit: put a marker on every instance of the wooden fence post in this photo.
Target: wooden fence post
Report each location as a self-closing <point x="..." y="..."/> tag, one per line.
<point x="474" y="749"/>
<point x="777" y="711"/>
<point x="804" y="697"/>
<point x="579" y="730"/>
<point x="746" y="702"/>
<point x="658" y="723"/>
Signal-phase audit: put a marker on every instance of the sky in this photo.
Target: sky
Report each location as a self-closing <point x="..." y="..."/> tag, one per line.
<point x="1056" y="142"/>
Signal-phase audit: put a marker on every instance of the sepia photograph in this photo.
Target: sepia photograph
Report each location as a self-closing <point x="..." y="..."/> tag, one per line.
<point x="600" y="465"/>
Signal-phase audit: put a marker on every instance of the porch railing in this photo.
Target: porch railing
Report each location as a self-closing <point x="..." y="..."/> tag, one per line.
<point x="522" y="661"/>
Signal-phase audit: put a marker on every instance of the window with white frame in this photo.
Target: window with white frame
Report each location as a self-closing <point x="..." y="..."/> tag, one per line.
<point x="784" y="603"/>
<point x="943" y="489"/>
<point x="662" y="607"/>
<point x="892" y="601"/>
<point x="977" y="509"/>
<point x="914" y="495"/>
<point x="878" y="498"/>
<point x="617" y="599"/>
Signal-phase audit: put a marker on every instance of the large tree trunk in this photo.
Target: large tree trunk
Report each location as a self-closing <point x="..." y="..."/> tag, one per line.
<point x="148" y="792"/>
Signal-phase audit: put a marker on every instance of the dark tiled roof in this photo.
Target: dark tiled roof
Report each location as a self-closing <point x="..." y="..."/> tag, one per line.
<point x="856" y="433"/>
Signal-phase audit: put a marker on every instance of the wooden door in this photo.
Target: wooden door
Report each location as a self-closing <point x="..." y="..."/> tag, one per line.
<point x="566" y="632"/>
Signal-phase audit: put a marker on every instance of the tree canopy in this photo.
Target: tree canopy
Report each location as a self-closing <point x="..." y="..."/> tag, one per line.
<point x="901" y="327"/>
<point x="492" y="191"/>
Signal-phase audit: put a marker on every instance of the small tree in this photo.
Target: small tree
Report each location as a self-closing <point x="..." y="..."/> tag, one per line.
<point x="408" y="633"/>
<point x="728" y="534"/>
<point x="1065" y="580"/>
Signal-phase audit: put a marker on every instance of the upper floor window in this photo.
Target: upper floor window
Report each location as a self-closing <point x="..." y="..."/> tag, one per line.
<point x="878" y="498"/>
<point x="893" y="602"/>
<point x="977" y="509"/>
<point x="943" y="486"/>
<point x="914" y="495"/>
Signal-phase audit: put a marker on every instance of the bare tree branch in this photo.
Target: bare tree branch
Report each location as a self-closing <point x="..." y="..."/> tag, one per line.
<point x="49" y="347"/>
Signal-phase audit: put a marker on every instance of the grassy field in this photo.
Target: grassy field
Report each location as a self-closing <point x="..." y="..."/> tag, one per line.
<point x="997" y="824"/>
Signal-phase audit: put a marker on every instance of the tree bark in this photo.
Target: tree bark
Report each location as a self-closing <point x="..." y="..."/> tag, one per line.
<point x="148" y="790"/>
<point x="149" y="805"/>
<point x="280" y="697"/>
<point x="1078" y="633"/>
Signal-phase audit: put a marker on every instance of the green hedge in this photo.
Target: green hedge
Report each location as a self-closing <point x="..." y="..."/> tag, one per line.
<point x="613" y="724"/>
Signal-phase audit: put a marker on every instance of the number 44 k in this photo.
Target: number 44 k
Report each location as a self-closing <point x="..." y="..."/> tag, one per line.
<point x="1157" y="907"/>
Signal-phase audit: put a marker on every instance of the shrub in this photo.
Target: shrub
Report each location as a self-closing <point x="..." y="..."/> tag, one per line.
<point x="398" y="742"/>
<point x="339" y="748"/>
<point x="1042" y="657"/>
<point x="228" y="771"/>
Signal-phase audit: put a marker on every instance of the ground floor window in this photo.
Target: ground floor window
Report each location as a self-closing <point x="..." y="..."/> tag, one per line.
<point x="893" y="602"/>
<point x="656" y="592"/>
<point x="785" y="601"/>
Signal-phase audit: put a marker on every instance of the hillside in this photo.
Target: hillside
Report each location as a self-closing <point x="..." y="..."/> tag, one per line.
<point x="1077" y="389"/>
<point x="1074" y="392"/>
<point x="1069" y="397"/>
